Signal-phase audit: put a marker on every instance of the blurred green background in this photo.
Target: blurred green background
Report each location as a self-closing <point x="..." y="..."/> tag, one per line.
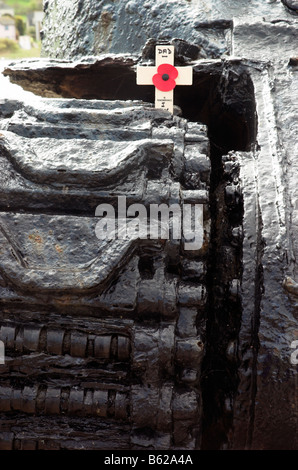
<point x="20" y="25"/>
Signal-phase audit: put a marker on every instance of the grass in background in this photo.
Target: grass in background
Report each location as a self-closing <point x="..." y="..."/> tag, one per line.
<point x="20" y="53"/>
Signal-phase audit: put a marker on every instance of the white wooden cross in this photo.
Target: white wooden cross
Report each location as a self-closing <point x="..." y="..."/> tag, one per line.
<point x="164" y="77"/>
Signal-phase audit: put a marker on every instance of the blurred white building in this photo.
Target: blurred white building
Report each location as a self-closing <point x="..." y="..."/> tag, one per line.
<point x="7" y="28"/>
<point x="35" y="19"/>
<point x="6" y="9"/>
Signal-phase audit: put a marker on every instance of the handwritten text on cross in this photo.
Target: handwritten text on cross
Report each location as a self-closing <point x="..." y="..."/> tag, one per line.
<point x="164" y="76"/>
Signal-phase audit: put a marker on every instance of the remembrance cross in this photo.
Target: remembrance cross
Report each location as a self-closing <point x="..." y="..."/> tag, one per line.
<point x="164" y="76"/>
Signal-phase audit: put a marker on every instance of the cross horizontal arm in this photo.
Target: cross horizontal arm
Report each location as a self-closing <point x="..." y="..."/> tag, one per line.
<point x="145" y="74"/>
<point x="185" y="75"/>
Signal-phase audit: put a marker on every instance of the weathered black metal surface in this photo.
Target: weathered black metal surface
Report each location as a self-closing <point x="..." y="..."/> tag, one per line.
<point x="111" y="332"/>
<point x="143" y="344"/>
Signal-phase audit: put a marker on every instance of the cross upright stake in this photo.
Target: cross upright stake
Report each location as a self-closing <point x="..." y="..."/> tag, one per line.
<point x="164" y="76"/>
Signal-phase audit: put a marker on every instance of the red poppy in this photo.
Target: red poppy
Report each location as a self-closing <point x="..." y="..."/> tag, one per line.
<point x="164" y="79"/>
